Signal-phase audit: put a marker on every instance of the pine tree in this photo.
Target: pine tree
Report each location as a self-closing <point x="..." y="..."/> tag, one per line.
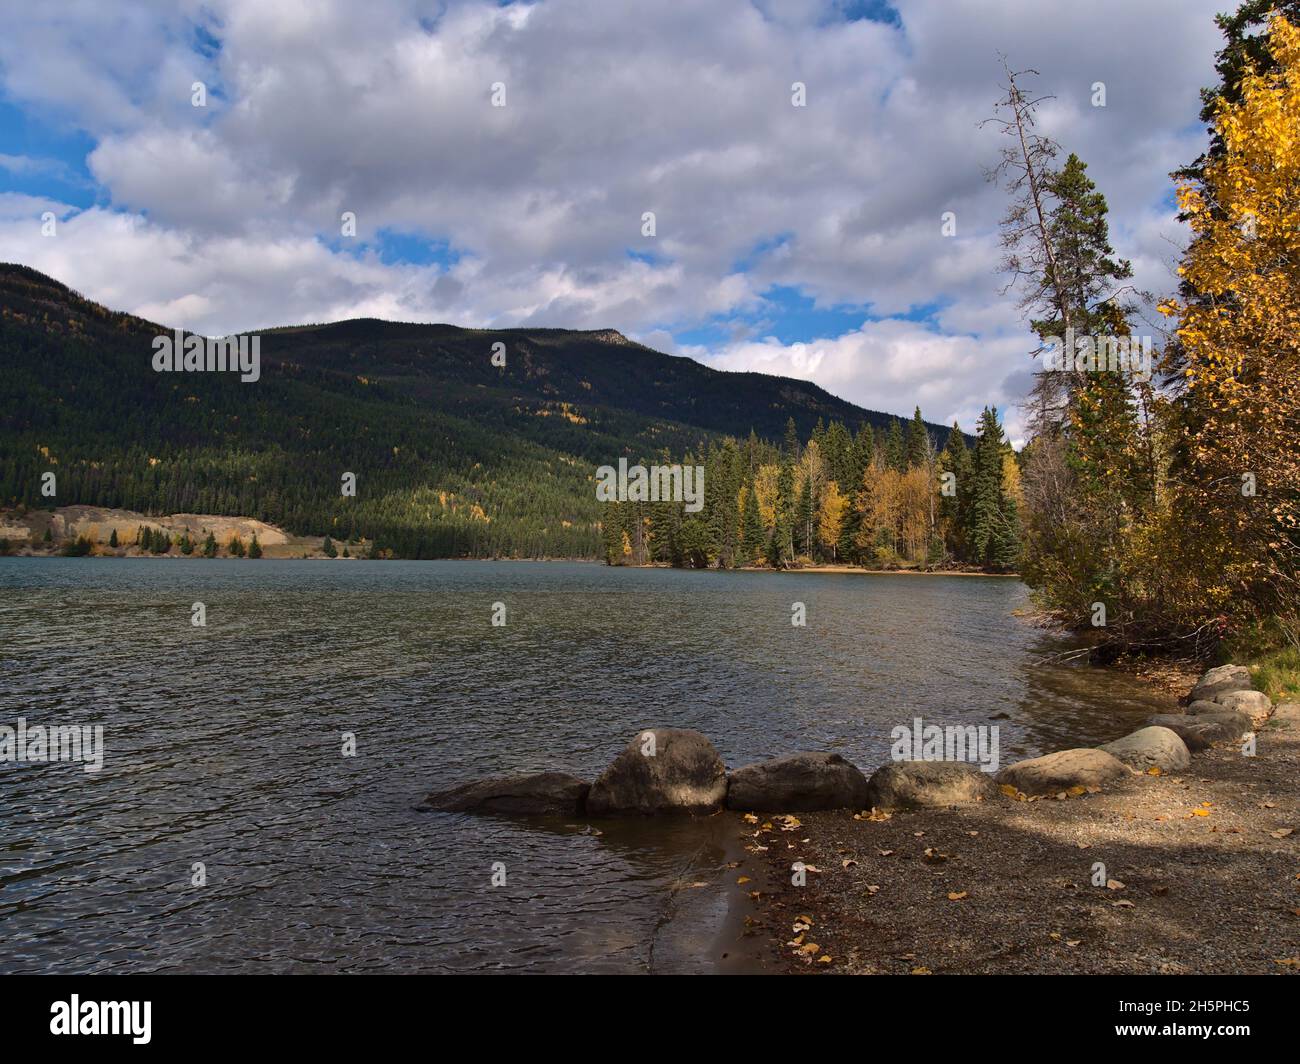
<point x="989" y="518"/>
<point x="327" y="548"/>
<point x="791" y="441"/>
<point x="112" y="539"/>
<point x="752" y="536"/>
<point x="895" y="448"/>
<point x="955" y="458"/>
<point x="210" y="546"/>
<point x="918" y="441"/>
<point x="255" y="548"/>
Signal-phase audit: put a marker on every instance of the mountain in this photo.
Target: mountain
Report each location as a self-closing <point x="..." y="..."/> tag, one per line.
<point x="452" y="455"/>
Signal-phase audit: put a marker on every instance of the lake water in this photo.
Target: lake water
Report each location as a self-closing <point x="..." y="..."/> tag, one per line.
<point x="224" y="747"/>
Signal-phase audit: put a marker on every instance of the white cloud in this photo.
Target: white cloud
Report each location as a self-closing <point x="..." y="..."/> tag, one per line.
<point x="226" y="218"/>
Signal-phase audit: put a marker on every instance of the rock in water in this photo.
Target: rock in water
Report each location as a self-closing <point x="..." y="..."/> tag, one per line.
<point x="1052" y="773"/>
<point x="798" y="783"/>
<point x="662" y="770"/>
<point x="535" y="794"/>
<point x="1218" y="681"/>
<point x="1255" y="704"/>
<point x="928" y="785"/>
<point x="1154" y="747"/>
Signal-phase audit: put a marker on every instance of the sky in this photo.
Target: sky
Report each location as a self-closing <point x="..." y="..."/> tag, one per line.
<point x="500" y="159"/>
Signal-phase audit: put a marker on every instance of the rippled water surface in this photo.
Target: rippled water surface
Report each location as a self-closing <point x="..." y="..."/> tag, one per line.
<point x="223" y="746"/>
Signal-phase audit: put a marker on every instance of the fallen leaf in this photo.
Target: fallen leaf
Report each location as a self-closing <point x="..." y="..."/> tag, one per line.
<point x="742" y="879"/>
<point x="958" y="895"/>
<point x="921" y="971"/>
<point x="1281" y="833"/>
<point x="1114" y="884"/>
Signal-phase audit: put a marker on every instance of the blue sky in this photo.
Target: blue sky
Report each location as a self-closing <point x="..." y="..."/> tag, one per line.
<point x="801" y="240"/>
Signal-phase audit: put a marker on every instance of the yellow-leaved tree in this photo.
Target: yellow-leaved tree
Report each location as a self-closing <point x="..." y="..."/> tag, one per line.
<point x="1238" y="475"/>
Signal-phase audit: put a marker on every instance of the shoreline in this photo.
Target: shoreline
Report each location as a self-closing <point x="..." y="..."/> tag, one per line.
<point x="1197" y="876"/>
<point x="275" y="553"/>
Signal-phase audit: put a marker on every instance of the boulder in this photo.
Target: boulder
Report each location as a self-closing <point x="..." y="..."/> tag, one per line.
<point x="1287" y="715"/>
<point x="535" y="794"/>
<point x="798" y="783"/>
<point x="1205" y="705"/>
<point x="662" y="770"/>
<point x="1201" y="730"/>
<point x="1232" y="725"/>
<point x="1255" y="704"/>
<point x="1154" y="747"/>
<point x="1197" y="733"/>
<point x="1224" y="678"/>
<point x="1085" y="767"/>
<point x="927" y="785"/>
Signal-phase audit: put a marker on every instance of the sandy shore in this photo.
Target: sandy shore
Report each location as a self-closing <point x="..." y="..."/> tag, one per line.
<point x="1202" y="875"/>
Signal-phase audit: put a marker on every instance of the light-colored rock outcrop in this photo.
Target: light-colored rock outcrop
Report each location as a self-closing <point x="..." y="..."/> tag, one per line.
<point x="1052" y="773"/>
<point x="928" y="785"/>
<point x="1154" y="747"/>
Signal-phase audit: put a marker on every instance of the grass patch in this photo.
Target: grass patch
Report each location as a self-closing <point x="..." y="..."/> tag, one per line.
<point x="1272" y="651"/>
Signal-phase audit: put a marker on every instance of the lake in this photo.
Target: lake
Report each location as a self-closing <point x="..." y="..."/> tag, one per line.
<point x="224" y="747"/>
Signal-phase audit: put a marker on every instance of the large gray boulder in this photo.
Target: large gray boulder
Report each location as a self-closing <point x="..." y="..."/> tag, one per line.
<point x="1052" y="773"/>
<point x="1203" y="729"/>
<point x="1218" y="681"/>
<point x="1255" y="704"/>
<point x="1205" y="705"/>
<point x="662" y="770"/>
<point x="535" y="794"/>
<point x="928" y="785"/>
<point x="1154" y="747"/>
<point x="1287" y="715"/>
<point x="798" y="783"/>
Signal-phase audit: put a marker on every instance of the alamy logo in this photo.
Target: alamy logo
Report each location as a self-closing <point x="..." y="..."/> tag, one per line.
<point x="58" y="742"/>
<point x="974" y="744"/>
<point x="210" y="354"/>
<point x="672" y="483"/>
<point x="1092" y="354"/>
<point x="103" y="1017"/>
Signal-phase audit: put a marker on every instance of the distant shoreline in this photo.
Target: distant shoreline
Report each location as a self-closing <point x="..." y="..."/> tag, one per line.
<point x="282" y="556"/>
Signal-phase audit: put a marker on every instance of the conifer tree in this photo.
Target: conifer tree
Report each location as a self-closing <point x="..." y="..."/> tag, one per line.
<point x="752" y="538"/>
<point x="918" y="442"/>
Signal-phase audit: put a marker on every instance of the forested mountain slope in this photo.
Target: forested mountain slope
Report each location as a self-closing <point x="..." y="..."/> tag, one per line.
<point x="452" y="455"/>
